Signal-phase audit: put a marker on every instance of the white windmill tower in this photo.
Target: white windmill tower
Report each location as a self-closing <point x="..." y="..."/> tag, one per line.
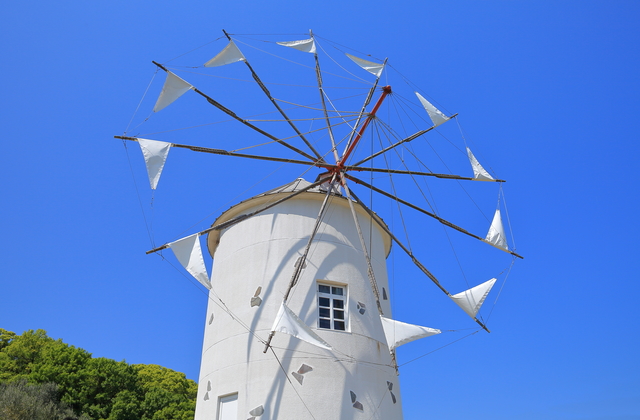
<point x="300" y="269"/>
<point x="299" y="321"/>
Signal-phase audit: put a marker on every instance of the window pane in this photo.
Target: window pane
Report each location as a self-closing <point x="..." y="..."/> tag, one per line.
<point x="338" y="325"/>
<point x="324" y="323"/>
<point x="324" y="289"/>
<point x="324" y="301"/>
<point x="338" y="303"/>
<point x="337" y="290"/>
<point x="228" y="407"/>
<point x="338" y="314"/>
<point x="325" y="312"/>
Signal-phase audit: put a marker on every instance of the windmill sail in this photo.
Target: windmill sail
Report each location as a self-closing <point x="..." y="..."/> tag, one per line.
<point x="436" y="116"/>
<point x="155" y="155"/>
<point x="479" y="173"/>
<point x="471" y="300"/>
<point x="496" y="236"/>
<point x="305" y="45"/>
<point x="288" y="322"/>
<point x="370" y="66"/>
<point x="174" y="87"/>
<point x="230" y="54"/>
<point x="399" y="333"/>
<point x="188" y="251"/>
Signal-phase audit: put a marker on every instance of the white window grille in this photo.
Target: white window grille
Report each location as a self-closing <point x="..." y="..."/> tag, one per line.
<point x="332" y="307"/>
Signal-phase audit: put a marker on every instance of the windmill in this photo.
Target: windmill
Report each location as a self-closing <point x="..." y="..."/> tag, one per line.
<point x="299" y="321"/>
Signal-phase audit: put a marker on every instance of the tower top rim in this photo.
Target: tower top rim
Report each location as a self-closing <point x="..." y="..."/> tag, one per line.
<point x="316" y="193"/>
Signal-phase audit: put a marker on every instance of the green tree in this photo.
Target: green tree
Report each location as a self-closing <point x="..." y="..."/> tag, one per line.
<point x="5" y="338"/>
<point x="168" y="395"/>
<point x="103" y="381"/>
<point x="22" y="401"/>
<point x="102" y="389"/>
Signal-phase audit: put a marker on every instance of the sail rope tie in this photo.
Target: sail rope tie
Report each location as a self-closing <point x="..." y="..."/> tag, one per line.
<point x="320" y="109"/>
<point x="334" y="43"/>
<point x="220" y="303"/>
<point x="506" y="211"/>
<point x="302" y="65"/>
<point x="291" y="137"/>
<point x="415" y="87"/>
<point x="195" y="49"/>
<point x="439" y="348"/>
<point x="233" y="200"/>
<point x="140" y="103"/>
<point x="508" y="269"/>
<point x="395" y="194"/>
<point x="135" y="184"/>
<point x="359" y="79"/>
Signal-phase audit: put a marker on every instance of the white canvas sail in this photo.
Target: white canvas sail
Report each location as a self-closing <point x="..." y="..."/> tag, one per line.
<point x="479" y="173"/>
<point x="155" y="155"/>
<point x="230" y="54"/>
<point x="496" y="236"/>
<point x="174" y="87"/>
<point x="399" y="333"/>
<point x="471" y="300"/>
<point x="189" y="253"/>
<point x="288" y="323"/>
<point x="305" y="45"/>
<point x="436" y="116"/>
<point x="370" y="66"/>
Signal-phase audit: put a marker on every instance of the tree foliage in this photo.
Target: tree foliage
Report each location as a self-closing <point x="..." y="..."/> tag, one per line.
<point x="20" y="400"/>
<point x="96" y="388"/>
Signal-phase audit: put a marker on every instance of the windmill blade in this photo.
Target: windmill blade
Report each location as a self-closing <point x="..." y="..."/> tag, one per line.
<point x="410" y="254"/>
<point x="363" y="244"/>
<point x="421" y="210"/>
<point x="243" y="121"/>
<point x="362" y="111"/>
<point x="242" y="217"/>
<point x="228" y="153"/>
<point x="407" y="139"/>
<point x="280" y="110"/>
<point x="401" y="172"/>
<point x="324" y="105"/>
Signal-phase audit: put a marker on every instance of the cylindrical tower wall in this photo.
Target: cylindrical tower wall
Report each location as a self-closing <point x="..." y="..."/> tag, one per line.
<point x="349" y="382"/>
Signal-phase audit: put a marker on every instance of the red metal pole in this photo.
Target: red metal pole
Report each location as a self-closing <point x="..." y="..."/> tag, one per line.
<point x="385" y="91"/>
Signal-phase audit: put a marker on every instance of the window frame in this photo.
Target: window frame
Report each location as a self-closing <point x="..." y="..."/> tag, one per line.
<point x="333" y="310"/>
<point x="224" y="399"/>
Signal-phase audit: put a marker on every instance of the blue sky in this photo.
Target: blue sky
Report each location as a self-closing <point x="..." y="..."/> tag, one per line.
<point x="546" y="91"/>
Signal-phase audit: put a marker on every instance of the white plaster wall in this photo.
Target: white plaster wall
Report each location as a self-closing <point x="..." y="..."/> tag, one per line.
<point x="261" y="251"/>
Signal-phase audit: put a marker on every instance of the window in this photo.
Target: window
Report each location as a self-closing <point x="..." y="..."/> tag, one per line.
<point x="228" y="407"/>
<point x="332" y="307"/>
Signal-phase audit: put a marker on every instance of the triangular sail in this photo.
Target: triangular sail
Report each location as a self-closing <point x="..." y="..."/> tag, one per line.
<point x="174" y="87"/>
<point x="399" y="333"/>
<point x="370" y="66"/>
<point x="155" y="155"/>
<point x="230" y="54"/>
<point x="305" y="45"/>
<point x="479" y="173"/>
<point x="471" y="300"/>
<point x="288" y="323"/>
<point x="189" y="253"/>
<point x="436" y="116"/>
<point x="496" y="236"/>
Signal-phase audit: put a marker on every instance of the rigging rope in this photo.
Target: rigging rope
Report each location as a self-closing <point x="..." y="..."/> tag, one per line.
<point x="291" y="383"/>
<point x="439" y="348"/>
<point x="303" y="65"/>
